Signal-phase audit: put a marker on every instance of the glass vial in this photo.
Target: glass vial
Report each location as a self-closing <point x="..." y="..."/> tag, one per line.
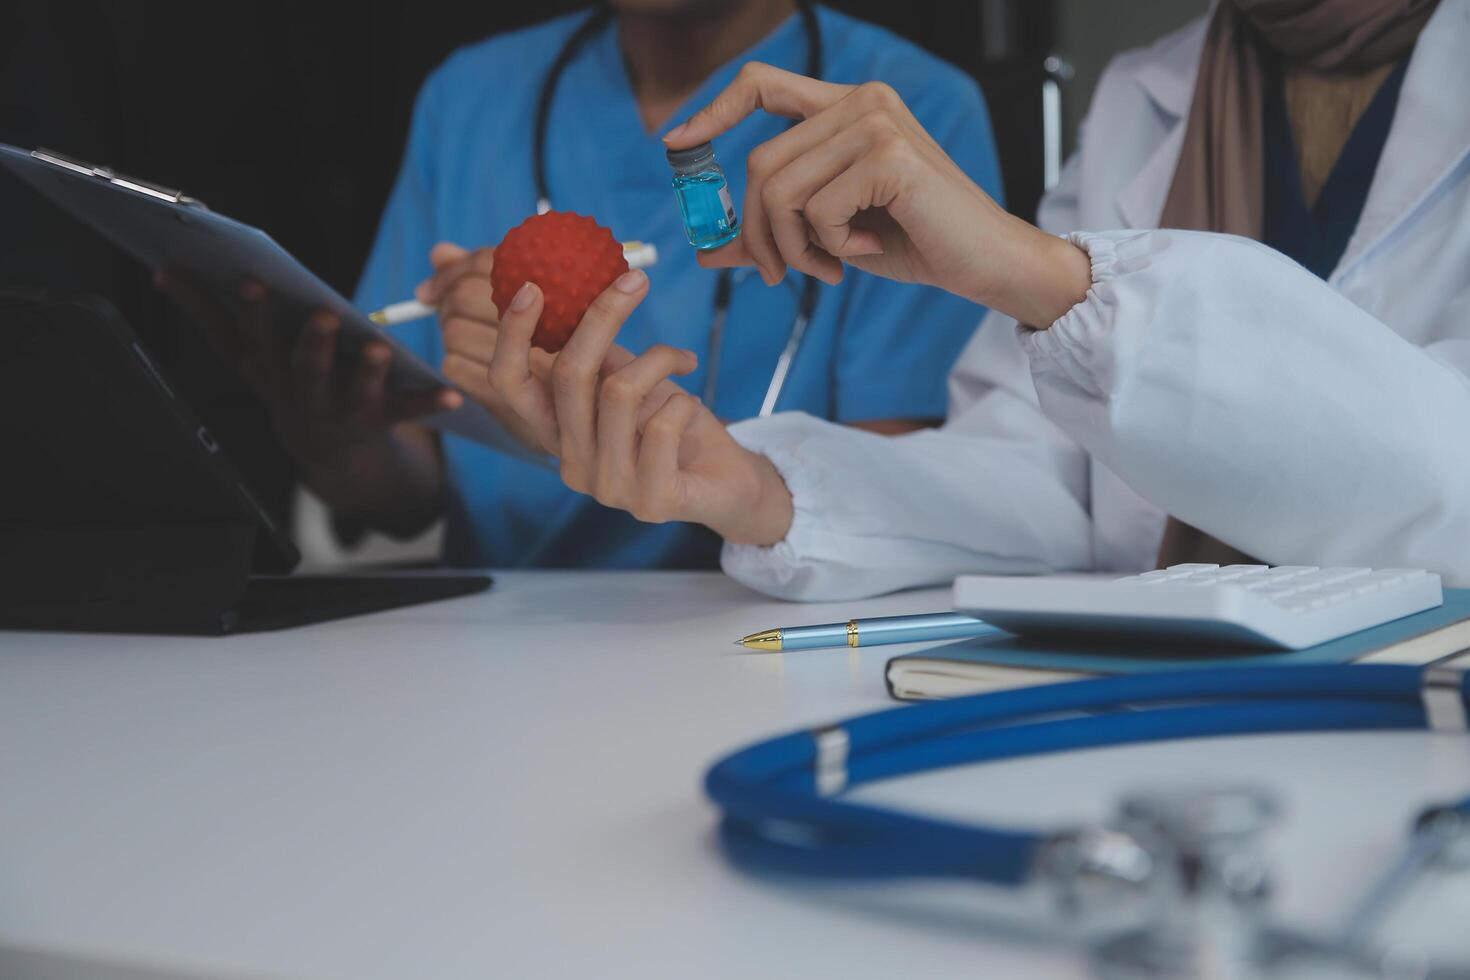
<point x="704" y="197"/>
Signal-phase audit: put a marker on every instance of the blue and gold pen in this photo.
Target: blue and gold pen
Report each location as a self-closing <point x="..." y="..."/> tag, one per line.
<point x="868" y="632"/>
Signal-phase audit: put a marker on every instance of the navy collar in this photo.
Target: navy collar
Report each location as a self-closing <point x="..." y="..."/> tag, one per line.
<point x="1318" y="236"/>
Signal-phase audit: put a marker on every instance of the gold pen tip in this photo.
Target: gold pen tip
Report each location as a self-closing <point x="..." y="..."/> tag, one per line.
<point x="378" y="317"/>
<point x="769" y="640"/>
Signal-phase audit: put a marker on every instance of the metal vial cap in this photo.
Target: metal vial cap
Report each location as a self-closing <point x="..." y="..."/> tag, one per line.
<point x="692" y="160"/>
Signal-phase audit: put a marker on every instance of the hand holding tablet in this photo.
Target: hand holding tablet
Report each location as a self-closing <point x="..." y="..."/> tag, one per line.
<point x="319" y="423"/>
<point x="170" y="232"/>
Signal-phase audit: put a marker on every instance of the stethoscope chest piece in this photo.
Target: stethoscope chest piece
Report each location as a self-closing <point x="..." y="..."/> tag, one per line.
<point x="1202" y="895"/>
<point x="1179" y="887"/>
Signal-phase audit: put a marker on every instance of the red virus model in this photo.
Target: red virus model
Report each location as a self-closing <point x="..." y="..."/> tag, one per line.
<point x="570" y="257"/>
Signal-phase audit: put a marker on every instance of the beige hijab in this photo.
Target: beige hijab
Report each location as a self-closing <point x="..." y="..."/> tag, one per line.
<point x="1219" y="181"/>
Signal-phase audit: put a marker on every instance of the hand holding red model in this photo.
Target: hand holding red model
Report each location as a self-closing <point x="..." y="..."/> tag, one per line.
<point x="570" y="257"/>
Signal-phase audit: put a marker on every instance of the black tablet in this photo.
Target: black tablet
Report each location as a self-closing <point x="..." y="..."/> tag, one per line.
<point x="120" y="510"/>
<point x="166" y="229"/>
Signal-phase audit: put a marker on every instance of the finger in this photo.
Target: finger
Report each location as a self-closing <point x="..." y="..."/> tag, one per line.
<point x="255" y="324"/>
<point x="857" y="109"/>
<point x="656" y="400"/>
<point x="575" y="374"/>
<point x="757" y="86"/>
<point x="204" y="311"/>
<point x="830" y="211"/>
<point x="262" y="360"/>
<point x="875" y="139"/>
<point x="446" y="253"/>
<point x="617" y="356"/>
<point x="469" y="338"/>
<point x="185" y="292"/>
<point x="729" y="256"/>
<point x="593" y="338"/>
<point x="756" y="235"/>
<point x="311" y="362"/>
<point x="855" y="243"/>
<point x="468" y="294"/>
<point x="471" y="376"/>
<point x="510" y="361"/>
<point x="766" y="228"/>
<point x="619" y="400"/>
<point x="365" y="399"/>
<point x="540" y="363"/>
<point x="407" y="406"/>
<point x="511" y="373"/>
<point x="788" y="225"/>
<point x="478" y="262"/>
<point x="658" y="458"/>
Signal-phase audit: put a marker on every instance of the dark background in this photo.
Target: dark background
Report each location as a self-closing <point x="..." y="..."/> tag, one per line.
<point x="292" y="117"/>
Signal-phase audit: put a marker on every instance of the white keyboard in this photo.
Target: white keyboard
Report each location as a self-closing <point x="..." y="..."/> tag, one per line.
<point x="1291" y="606"/>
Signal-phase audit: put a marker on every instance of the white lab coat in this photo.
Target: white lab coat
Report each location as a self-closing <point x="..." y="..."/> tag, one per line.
<point x="1203" y="376"/>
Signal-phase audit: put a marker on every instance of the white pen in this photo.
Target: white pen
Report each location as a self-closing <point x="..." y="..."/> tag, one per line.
<point x="640" y="255"/>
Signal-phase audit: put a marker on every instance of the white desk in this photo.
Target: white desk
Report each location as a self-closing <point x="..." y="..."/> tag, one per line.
<point x="509" y="786"/>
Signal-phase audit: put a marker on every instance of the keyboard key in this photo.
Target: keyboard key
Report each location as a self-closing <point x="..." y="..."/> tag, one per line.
<point x="1330" y="576"/>
<point x="1271" y="578"/>
<point x="1157" y="575"/>
<point x="1277" y="592"/>
<point x="1301" y="604"/>
<point x="1387" y="577"/>
<point x="1342" y="574"/>
<point x="1289" y="571"/>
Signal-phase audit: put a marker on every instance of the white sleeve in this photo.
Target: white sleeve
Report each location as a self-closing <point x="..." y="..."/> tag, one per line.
<point x="998" y="488"/>
<point x="1240" y="393"/>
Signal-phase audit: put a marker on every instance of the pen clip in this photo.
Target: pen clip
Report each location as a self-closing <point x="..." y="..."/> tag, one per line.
<point x="106" y="173"/>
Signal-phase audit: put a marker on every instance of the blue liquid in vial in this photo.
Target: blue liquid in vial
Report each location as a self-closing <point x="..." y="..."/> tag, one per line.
<point x="709" y="219"/>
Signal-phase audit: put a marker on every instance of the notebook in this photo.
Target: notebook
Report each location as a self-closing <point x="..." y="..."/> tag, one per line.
<point x="1001" y="661"/>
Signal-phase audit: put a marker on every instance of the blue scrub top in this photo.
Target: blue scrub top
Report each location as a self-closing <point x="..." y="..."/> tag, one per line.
<point x="873" y="350"/>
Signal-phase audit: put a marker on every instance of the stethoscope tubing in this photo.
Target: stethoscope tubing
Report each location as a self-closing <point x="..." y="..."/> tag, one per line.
<point x="774" y="817"/>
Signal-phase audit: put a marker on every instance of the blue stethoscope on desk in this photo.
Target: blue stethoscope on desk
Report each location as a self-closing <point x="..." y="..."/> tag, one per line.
<point x="782" y="809"/>
<point x="724" y="285"/>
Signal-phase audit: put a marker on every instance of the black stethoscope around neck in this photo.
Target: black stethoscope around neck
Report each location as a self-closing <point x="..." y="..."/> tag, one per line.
<point x="724" y="285"/>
